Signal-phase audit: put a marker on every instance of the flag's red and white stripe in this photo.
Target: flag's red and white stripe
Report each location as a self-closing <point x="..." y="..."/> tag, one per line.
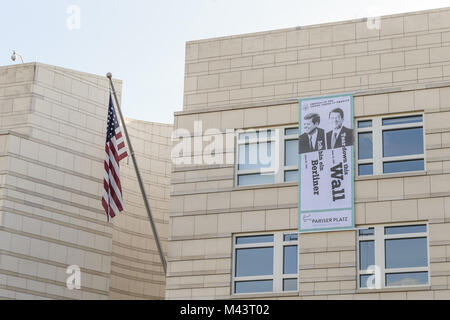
<point x="115" y="151"/>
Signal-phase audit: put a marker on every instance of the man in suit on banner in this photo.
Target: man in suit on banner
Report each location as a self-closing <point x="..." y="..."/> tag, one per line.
<point x="314" y="137"/>
<point x="340" y="136"/>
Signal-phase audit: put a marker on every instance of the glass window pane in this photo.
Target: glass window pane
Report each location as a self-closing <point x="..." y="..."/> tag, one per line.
<point x="244" y="150"/>
<point x="407" y="279"/>
<point x="365" y="169"/>
<point x="264" y="134"/>
<point x="254" y="179"/>
<point x="291" y="131"/>
<point x="248" y="135"/>
<point x="291" y="153"/>
<point x="365" y="124"/>
<point x="291" y="176"/>
<point x="255" y="156"/>
<point x="402" y="120"/>
<point x="290" y="284"/>
<point x="290" y="237"/>
<point x="365" y="145"/>
<point x="254" y="262"/>
<point x="253" y="286"/>
<point x="366" y="254"/>
<point x="265" y="152"/>
<point x="405" y="229"/>
<point x="290" y="260"/>
<point x="403" y="166"/>
<point x="363" y="281"/>
<point x="254" y="239"/>
<point x="402" y="142"/>
<point x="406" y="253"/>
<point x="367" y="232"/>
<point x="248" y="156"/>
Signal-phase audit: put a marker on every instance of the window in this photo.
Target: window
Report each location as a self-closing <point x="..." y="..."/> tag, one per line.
<point x="267" y="156"/>
<point x="390" y="145"/>
<point x="400" y="254"/>
<point x="265" y="263"/>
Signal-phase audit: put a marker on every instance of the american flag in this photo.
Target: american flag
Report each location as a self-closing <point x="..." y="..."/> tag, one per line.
<point x="115" y="151"/>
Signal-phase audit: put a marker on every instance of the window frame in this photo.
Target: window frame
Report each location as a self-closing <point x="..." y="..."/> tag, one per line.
<point x="377" y="128"/>
<point x="279" y="158"/>
<point x="278" y="276"/>
<point x="379" y="238"/>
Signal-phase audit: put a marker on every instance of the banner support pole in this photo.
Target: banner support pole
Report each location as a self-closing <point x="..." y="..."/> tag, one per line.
<point x="139" y="178"/>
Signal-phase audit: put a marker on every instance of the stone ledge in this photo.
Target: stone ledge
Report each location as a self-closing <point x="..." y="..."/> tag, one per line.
<point x="263" y="295"/>
<point x="234" y="210"/>
<point x="200" y="273"/>
<point x="403" y="289"/>
<point x="200" y="257"/>
<point x="271" y="103"/>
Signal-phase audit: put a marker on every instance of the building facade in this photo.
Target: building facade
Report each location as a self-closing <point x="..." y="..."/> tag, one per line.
<point x="233" y="231"/>
<point x="52" y="139"/>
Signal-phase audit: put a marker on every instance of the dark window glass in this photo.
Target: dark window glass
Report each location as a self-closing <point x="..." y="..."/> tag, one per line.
<point x="365" y="146"/>
<point x="254" y="262"/>
<point x="403" y="166"/>
<point x="254" y="239"/>
<point x="290" y="237"/>
<point x="290" y="260"/>
<point x="290" y="284"/>
<point x="291" y="131"/>
<point x="406" y="253"/>
<point x="406" y="279"/>
<point x="402" y="120"/>
<point x="405" y="229"/>
<point x="365" y="124"/>
<point x="365" y="169"/>
<point x="255" y="156"/>
<point x="367" y="232"/>
<point x="366" y="254"/>
<point x="291" y="153"/>
<point x="253" y="286"/>
<point x="402" y="142"/>
<point x="291" y="176"/>
<point x="255" y="179"/>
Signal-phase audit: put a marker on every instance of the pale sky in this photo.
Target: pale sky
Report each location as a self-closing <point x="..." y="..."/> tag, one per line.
<point x="142" y="42"/>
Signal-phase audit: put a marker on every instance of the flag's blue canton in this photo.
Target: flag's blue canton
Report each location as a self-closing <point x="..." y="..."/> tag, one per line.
<point x="112" y="121"/>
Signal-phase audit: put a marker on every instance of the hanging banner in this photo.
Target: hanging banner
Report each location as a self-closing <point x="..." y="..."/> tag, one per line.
<point x="326" y="200"/>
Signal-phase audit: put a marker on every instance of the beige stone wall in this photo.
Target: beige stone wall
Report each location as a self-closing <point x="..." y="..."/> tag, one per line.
<point x="136" y="269"/>
<point x="16" y="83"/>
<point x="53" y="123"/>
<point x="314" y="60"/>
<point x="252" y="81"/>
<point x="51" y="217"/>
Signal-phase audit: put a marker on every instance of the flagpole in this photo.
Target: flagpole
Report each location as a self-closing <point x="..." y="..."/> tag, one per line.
<point x="138" y="174"/>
